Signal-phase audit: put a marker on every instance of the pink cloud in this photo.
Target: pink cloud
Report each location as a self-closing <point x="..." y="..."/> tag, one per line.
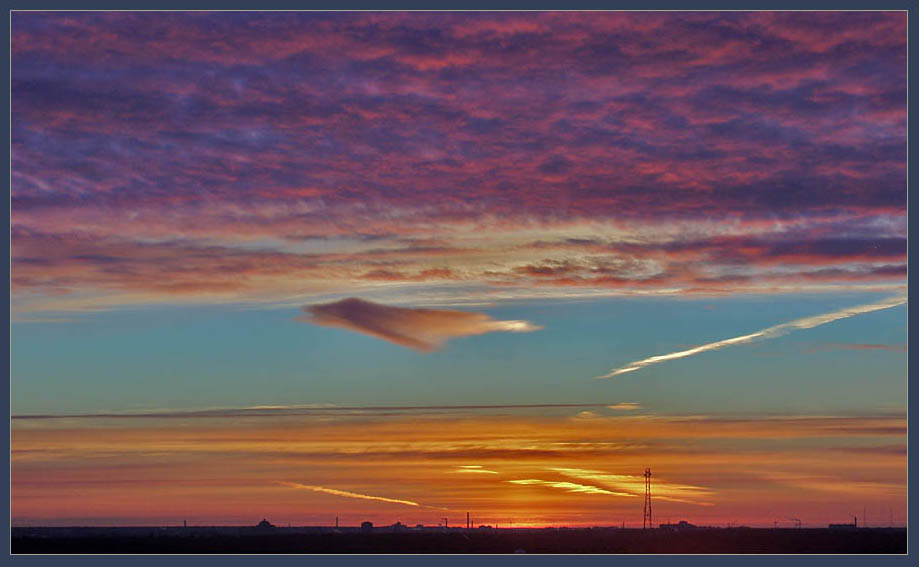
<point x="191" y="134"/>
<point x="419" y="329"/>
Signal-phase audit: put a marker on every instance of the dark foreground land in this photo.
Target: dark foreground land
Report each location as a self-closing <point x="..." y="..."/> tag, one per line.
<point x="492" y="541"/>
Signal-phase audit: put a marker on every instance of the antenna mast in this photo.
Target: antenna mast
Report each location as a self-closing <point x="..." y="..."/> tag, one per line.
<point x="646" y="521"/>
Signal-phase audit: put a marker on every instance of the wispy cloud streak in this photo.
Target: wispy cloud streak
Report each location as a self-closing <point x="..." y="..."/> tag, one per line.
<point x="347" y="494"/>
<point x="625" y="406"/>
<point x="477" y="469"/>
<point x="742" y="466"/>
<point x="303" y="410"/>
<point x="767" y="333"/>
<point x="569" y="486"/>
<point x="634" y="485"/>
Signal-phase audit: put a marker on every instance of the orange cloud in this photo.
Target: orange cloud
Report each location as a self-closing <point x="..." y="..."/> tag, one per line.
<point x="419" y="329"/>
<point x="569" y="486"/>
<point x="707" y="470"/>
<point x="473" y="469"/>
<point x="625" y="406"/>
<point x="347" y="494"/>
<point x="633" y="485"/>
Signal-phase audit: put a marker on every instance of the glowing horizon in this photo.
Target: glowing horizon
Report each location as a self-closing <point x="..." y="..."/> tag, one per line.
<point x="536" y="477"/>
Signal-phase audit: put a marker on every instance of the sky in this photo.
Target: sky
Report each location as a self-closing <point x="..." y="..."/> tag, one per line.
<point x="678" y="238"/>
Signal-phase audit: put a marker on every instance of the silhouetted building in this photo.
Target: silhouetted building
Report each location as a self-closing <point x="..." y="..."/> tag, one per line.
<point x="366" y="526"/>
<point x="682" y="525"/>
<point x="264" y="526"/>
<point x="851" y="526"/>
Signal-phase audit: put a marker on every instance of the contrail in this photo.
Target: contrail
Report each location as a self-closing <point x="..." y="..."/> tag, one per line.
<point x="348" y="494"/>
<point x="767" y="333"/>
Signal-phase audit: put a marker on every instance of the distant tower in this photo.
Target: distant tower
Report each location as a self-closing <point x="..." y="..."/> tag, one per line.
<point x="467" y="520"/>
<point x="646" y="522"/>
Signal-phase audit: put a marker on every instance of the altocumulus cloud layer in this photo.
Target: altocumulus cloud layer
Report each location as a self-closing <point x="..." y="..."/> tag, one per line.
<point x="269" y="157"/>
<point x="419" y="329"/>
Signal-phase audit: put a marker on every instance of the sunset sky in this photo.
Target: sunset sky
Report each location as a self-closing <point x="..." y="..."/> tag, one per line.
<point x="243" y="243"/>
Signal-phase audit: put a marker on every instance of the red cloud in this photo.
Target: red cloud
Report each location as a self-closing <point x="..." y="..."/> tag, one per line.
<point x="419" y="329"/>
<point x="191" y="155"/>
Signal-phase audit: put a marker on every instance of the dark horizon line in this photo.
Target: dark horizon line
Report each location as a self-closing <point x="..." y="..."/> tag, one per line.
<point x="458" y="527"/>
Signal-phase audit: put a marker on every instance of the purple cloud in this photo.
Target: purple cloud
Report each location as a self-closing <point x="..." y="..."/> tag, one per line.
<point x="254" y="136"/>
<point x="419" y="329"/>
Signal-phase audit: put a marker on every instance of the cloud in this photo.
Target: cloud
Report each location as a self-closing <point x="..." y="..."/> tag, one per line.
<point x="300" y="409"/>
<point x="633" y="485"/>
<point x="419" y="329"/>
<point x="347" y="494"/>
<point x="625" y="406"/>
<point x="767" y="333"/>
<point x="476" y="469"/>
<point x="568" y="486"/>
<point x="185" y="165"/>
<point x="60" y="465"/>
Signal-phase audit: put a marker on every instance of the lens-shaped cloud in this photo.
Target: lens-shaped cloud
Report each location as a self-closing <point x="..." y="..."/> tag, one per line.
<point x="419" y="329"/>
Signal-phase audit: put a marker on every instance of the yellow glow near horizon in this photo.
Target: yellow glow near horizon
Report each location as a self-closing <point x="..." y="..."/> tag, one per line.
<point x="527" y="470"/>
